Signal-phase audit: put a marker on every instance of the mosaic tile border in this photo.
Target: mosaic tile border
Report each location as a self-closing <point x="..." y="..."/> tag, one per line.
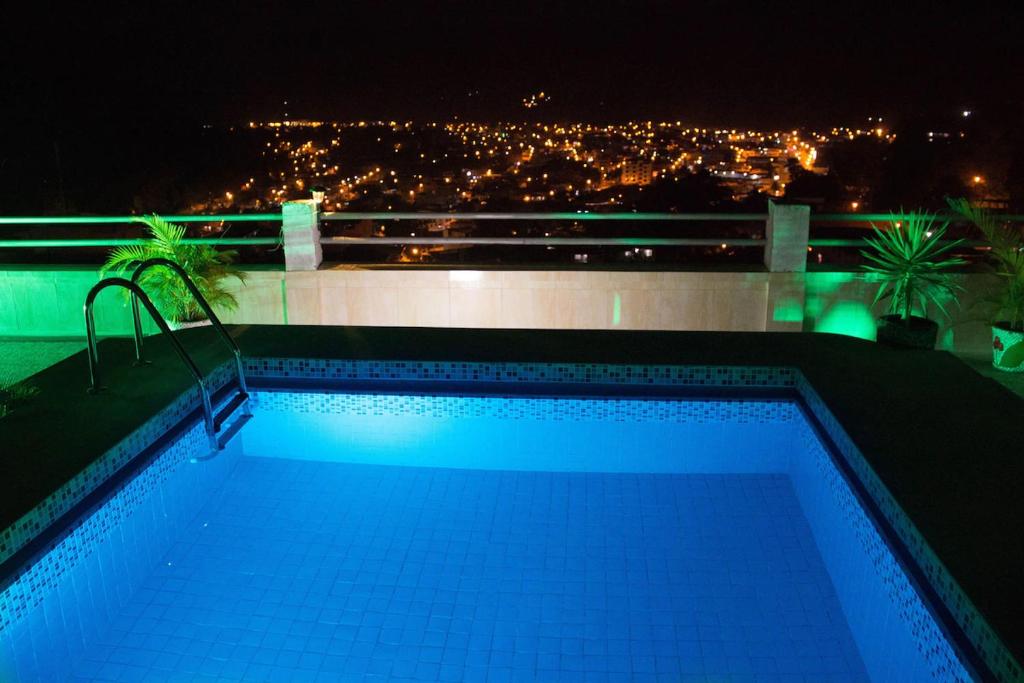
<point x="530" y="373"/>
<point x="523" y="408"/>
<point x="31" y="586"/>
<point x="932" y="644"/>
<point x="982" y="637"/>
<point x="32" y="523"/>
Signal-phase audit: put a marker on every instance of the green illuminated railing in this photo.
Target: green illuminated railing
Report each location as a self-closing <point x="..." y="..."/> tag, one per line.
<point x="109" y="220"/>
<point x="36" y="243"/>
<point x="550" y="241"/>
<point x="575" y="216"/>
<point x="623" y="216"/>
<point x="481" y="216"/>
<point x="227" y="241"/>
<point x="346" y="216"/>
<point x="886" y="217"/>
<point x="830" y="242"/>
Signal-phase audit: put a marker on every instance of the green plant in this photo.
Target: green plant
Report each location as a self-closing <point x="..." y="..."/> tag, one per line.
<point x="14" y="394"/>
<point x="1006" y="255"/>
<point x="208" y="267"/>
<point x="911" y="260"/>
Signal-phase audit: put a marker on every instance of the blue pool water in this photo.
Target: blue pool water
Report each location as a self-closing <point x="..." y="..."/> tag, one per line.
<point x="373" y="538"/>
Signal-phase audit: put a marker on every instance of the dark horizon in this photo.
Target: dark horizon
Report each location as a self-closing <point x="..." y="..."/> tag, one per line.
<point x="714" y="64"/>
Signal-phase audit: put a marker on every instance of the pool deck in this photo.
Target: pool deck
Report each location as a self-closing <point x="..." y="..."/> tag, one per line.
<point x="944" y="439"/>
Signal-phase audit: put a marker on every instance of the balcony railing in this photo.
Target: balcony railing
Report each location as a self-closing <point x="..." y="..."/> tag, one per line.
<point x="756" y="233"/>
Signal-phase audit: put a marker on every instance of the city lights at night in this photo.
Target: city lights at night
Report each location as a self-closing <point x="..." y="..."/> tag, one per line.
<point x="449" y="165"/>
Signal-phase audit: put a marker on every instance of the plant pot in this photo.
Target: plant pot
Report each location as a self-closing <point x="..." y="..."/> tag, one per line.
<point x="1007" y="348"/>
<point x="188" y="324"/>
<point x="921" y="333"/>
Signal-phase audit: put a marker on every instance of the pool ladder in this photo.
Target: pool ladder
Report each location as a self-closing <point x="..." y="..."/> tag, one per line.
<point x="212" y="423"/>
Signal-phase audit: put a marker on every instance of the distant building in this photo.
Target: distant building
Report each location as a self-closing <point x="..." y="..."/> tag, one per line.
<point x="637" y="172"/>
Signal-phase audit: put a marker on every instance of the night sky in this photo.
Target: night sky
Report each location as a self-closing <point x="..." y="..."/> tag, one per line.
<point x="730" y="63"/>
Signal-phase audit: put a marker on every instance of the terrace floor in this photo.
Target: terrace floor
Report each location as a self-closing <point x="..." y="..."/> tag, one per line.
<point x="1014" y="381"/>
<point x="21" y="358"/>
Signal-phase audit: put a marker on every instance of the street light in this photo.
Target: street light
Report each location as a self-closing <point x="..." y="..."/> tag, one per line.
<point x="318" y="194"/>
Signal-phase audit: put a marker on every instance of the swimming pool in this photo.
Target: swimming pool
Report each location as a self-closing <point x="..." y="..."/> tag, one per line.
<point x="449" y="537"/>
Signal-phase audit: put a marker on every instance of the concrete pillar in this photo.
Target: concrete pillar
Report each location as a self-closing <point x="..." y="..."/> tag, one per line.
<point x="301" y="231"/>
<point x="786" y="235"/>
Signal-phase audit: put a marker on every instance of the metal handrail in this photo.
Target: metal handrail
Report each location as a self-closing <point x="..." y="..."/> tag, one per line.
<point x="122" y="242"/>
<point x="862" y="242"/>
<point x="551" y="241"/>
<point x="93" y="349"/>
<point x="885" y="217"/>
<point x="440" y="240"/>
<point x="619" y="216"/>
<point x="490" y="216"/>
<point x="200" y="299"/>
<point x="556" y="216"/>
<point x="98" y="220"/>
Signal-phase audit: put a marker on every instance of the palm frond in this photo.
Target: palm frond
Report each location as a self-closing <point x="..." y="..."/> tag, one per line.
<point x="912" y="263"/>
<point x="1006" y="257"/>
<point x="206" y="265"/>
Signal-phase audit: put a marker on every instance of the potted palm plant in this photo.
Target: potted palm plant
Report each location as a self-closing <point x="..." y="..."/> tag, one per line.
<point x="208" y="267"/>
<point x="1006" y="257"/>
<point x="913" y="264"/>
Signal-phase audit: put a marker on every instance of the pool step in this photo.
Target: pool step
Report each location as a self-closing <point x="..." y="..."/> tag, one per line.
<point x="219" y="438"/>
<point x="230" y="407"/>
<point x="225" y="437"/>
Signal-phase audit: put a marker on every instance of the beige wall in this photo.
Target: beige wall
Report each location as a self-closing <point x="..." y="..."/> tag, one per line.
<point x="519" y="299"/>
<point x="837" y="302"/>
<point x="48" y="302"/>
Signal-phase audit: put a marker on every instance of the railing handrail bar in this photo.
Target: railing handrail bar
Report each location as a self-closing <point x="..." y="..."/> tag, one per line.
<point x="93" y="347"/>
<point x="455" y="215"/>
<point x="114" y="242"/>
<point x="862" y="242"/>
<point x="200" y="299"/>
<point x="885" y="217"/>
<point x="580" y="241"/>
<point x="524" y="216"/>
<point x="94" y="220"/>
<point x="549" y="241"/>
<point x="623" y="216"/>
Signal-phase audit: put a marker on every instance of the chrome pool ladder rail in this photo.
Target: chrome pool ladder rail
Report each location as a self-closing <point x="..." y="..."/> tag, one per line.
<point x="93" y="348"/>
<point x="203" y="304"/>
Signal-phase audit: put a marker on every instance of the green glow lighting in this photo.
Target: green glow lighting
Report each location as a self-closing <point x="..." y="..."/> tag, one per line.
<point x="284" y="300"/>
<point x="830" y="282"/>
<point x="788" y="310"/>
<point x="213" y="241"/>
<point x="947" y="341"/>
<point x="48" y="303"/>
<point x="885" y="217"/>
<point x="96" y="220"/>
<point x="616" y="310"/>
<point x="851" y="318"/>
